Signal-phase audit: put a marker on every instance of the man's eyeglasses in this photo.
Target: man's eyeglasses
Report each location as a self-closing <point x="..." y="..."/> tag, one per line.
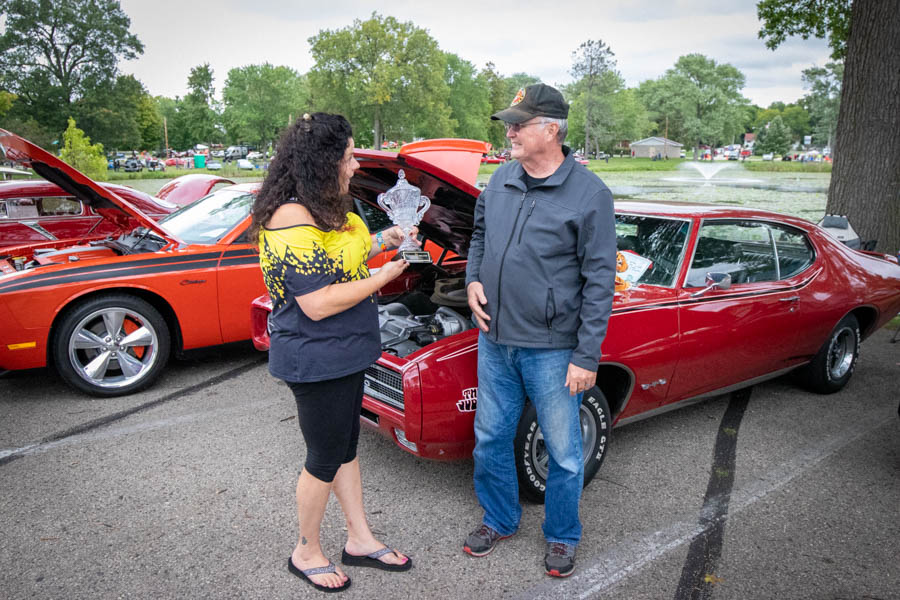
<point x="515" y="127"/>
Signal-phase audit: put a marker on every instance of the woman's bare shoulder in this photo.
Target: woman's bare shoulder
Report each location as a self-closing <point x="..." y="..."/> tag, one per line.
<point x="290" y="214"/>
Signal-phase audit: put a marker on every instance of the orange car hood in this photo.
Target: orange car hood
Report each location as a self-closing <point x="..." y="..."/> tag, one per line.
<point x="107" y="203"/>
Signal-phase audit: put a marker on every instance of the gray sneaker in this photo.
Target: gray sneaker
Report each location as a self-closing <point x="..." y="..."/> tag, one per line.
<point x="560" y="559"/>
<point x="482" y="541"/>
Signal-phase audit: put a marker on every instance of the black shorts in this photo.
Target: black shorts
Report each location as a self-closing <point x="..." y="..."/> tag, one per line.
<point x="329" y="420"/>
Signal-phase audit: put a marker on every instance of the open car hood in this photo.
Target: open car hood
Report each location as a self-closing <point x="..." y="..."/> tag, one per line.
<point x="107" y="203"/>
<point x="448" y="222"/>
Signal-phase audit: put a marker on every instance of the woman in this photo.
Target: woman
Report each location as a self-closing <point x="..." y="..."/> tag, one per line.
<point x="324" y="329"/>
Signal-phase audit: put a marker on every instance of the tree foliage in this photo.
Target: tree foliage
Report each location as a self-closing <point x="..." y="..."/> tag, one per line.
<point x="470" y="100"/>
<point x="701" y="100"/>
<point x="78" y="152"/>
<point x="823" y="19"/>
<point x="53" y="52"/>
<point x="823" y="101"/>
<point x="386" y="76"/>
<point x="260" y="100"/>
<point x="593" y="68"/>
<point x="198" y="111"/>
<point x="775" y="137"/>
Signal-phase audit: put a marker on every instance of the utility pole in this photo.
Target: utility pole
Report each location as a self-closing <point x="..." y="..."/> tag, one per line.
<point x="166" y="131"/>
<point x="666" y="140"/>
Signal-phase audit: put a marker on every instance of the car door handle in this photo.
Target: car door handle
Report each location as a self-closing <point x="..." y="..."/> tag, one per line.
<point x="791" y="299"/>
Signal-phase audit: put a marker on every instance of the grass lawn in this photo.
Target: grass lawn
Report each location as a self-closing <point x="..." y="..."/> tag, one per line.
<point x="228" y="170"/>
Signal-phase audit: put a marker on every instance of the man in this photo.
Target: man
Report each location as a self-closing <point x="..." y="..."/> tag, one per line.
<point x="539" y="281"/>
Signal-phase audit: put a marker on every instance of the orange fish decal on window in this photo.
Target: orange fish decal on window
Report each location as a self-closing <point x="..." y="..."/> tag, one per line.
<point x="621" y="266"/>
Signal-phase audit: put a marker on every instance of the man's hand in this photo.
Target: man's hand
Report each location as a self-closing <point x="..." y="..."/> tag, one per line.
<point x="477" y="299"/>
<point x="579" y="380"/>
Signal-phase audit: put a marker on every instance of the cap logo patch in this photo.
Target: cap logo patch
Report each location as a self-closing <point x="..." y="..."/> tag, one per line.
<point x="520" y="95"/>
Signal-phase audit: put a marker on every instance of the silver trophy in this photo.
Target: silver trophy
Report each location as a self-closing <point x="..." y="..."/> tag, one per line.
<point x="405" y="205"/>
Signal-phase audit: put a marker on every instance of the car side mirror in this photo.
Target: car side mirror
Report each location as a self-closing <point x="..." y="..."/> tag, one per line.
<point x="714" y="281"/>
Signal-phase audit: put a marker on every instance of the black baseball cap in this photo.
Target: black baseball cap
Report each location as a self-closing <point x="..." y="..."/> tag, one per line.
<point x="536" y="100"/>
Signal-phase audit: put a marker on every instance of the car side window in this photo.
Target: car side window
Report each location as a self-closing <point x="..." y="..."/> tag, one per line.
<point x="743" y="249"/>
<point x="795" y="253"/>
<point x="22" y="208"/>
<point x="4" y="213"/>
<point x="55" y="206"/>
<point x="657" y="240"/>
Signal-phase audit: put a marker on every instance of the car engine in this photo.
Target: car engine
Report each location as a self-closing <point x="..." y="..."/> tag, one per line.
<point x="403" y="331"/>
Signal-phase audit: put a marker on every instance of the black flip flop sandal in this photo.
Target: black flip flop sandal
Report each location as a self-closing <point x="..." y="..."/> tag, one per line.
<point x="372" y="560"/>
<point x="306" y="574"/>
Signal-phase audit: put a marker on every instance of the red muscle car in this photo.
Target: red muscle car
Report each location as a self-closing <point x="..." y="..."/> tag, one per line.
<point x="712" y="299"/>
<point x="37" y="210"/>
<point x="107" y="313"/>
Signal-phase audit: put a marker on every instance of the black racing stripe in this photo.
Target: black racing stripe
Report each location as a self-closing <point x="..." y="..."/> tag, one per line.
<point x="31" y="285"/>
<point x="248" y="260"/>
<point x="243" y="252"/>
<point x="115" y="267"/>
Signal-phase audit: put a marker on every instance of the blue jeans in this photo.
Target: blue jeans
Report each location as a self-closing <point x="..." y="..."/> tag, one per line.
<point x="506" y="375"/>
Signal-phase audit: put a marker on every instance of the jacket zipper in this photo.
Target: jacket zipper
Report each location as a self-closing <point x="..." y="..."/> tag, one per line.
<point x="502" y="260"/>
<point x="525" y="222"/>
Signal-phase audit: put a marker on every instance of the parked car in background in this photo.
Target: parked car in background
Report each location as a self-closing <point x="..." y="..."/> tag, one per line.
<point x="768" y="156"/>
<point x="254" y="155"/>
<point x="711" y="299"/>
<point x="236" y="152"/>
<point x="133" y="165"/>
<point x="108" y="313"/>
<point x="243" y="163"/>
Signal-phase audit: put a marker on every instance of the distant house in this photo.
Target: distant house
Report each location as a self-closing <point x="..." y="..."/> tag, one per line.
<point x="652" y="146"/>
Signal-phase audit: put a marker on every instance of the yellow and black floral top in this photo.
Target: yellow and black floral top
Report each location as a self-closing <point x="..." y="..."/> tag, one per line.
<point x="301" y="259"/>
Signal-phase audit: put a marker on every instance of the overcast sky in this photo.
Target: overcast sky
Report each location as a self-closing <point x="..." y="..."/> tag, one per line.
<point x="538" y="38"/>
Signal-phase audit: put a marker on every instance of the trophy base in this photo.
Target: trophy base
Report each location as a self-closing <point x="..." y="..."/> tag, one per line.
<point x="414" y="256"/>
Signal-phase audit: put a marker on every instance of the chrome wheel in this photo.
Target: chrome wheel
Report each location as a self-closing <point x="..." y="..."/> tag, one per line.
<point x="113" y="347"/>
<point x="540" y="457"/>
<point x="841" y="353"/>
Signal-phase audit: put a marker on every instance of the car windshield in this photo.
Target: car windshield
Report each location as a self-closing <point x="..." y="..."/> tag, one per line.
<point x="207" y="220"/>
<point x="653" y="247"/>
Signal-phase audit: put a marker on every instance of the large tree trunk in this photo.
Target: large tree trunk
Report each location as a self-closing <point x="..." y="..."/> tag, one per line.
<point x="377" y="127"/>
<point x="865" y="180"/>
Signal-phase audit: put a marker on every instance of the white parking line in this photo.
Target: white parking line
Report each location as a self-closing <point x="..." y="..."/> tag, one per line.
<point x="620" y="562"/>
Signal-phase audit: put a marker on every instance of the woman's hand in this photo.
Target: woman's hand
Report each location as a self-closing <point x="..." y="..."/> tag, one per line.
<point x="390" y="271"/>
<point x="393" y="236"/>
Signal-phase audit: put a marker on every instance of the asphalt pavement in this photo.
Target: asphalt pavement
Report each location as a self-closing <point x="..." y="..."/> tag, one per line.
<point x="186" y="491"/>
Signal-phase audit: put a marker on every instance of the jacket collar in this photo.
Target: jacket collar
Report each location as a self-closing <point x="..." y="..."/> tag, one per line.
<point x="557" y="179"/>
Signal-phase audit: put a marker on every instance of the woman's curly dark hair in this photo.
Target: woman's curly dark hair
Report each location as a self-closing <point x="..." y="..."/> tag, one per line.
<point x="306" y="167"/>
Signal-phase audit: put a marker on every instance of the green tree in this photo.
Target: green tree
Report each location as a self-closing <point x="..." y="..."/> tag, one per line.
<point x="108" y="113"/>
<point x="52" y="52"/>
<point x="775" y="137"/>
<point x="498" y="99"/>
<point x="198" y="114"/>
<point x="79" y="153"/>
<point x="470" y="101"/>
<point x="150" y="124"/>
<point x="796" y="119"/>
<point x="387" y="77"/>
<point x="260" y="101"/>
<point x="824" y="100"/>
<point x="591" y="61"/>
<point x="701" y="100"/>
<point x="6" y="102"/>
<point x="866" y="149"/>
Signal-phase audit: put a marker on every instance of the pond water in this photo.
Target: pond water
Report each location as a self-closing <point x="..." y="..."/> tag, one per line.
<point x="800" y="194"/>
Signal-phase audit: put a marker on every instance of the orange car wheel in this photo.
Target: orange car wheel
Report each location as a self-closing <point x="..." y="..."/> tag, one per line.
<point x="111" y="345"/>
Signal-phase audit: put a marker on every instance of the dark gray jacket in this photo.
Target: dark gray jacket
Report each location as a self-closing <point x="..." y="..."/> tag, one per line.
<point x="546" y="259"/>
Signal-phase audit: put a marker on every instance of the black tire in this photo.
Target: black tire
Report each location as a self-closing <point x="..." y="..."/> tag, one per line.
<point x="531" y="456"/>
<point x="100" y="362"/>
<point x="831" y="368"/>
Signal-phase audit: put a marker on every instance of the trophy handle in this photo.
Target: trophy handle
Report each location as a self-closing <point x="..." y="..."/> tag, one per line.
<point x="421" y="213"/>
<point x="382" y="203"/>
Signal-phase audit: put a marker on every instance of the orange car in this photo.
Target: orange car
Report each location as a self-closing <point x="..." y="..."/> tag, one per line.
<point x="107" y="313"/>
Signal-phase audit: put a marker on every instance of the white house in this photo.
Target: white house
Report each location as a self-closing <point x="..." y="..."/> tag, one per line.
<point x="652" y="146"/>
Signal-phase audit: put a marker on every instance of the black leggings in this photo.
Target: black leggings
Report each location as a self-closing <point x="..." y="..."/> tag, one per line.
<point x="329" y="420"/>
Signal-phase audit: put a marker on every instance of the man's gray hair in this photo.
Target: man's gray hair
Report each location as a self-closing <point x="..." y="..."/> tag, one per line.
<point x="563" y="125"/>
